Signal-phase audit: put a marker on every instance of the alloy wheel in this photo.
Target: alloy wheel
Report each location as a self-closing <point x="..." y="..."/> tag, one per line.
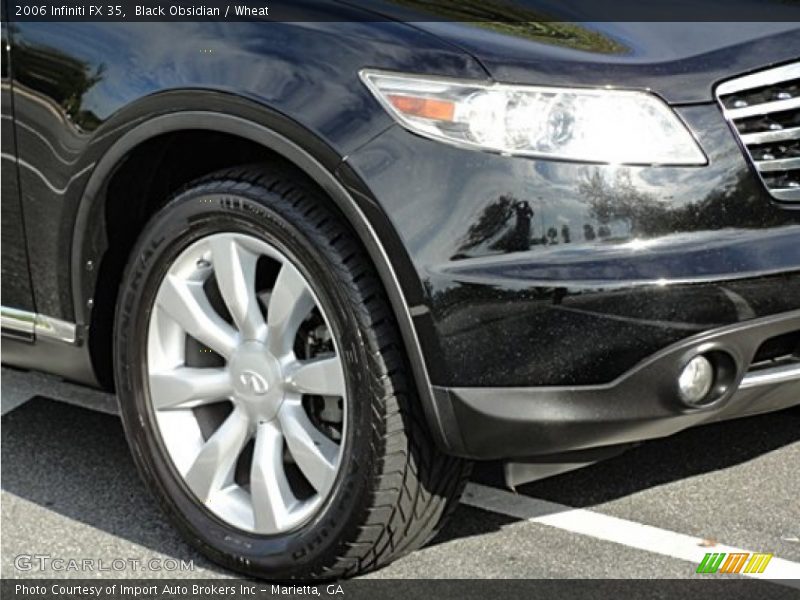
<point x="247" y="387"/>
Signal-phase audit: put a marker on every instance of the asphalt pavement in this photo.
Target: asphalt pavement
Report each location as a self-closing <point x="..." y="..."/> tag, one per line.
<point x="70" y="490"/>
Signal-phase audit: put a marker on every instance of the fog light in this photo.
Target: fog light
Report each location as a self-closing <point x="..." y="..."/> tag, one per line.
<point x="696" y="380"/>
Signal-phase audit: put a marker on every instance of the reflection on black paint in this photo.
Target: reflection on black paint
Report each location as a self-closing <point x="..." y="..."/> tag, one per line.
<point x="504" y="225"/>
<point x="625" y="211"/>
<point x="518" y="21"/>
<point x="507" y="225"/>
<point x="16" y="284"/>
<point x="491" y="221"/>
<point x="59" y="78"/>
<point x="617" y="210"/>
<point x="558" y="336"/>
<point x="619" y="203"/>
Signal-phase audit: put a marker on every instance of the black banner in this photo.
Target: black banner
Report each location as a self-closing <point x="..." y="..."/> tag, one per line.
<point x="500" y="11"/>
<point x="389" y="589"/>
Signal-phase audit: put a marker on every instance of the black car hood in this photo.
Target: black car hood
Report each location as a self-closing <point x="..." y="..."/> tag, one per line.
<point x="679" y="61"/>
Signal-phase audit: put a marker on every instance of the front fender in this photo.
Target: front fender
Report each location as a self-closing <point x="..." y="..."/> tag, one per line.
<point x="321" y="163"/>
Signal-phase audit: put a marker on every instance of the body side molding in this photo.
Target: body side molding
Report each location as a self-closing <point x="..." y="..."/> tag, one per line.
<point x="35" y="325"/>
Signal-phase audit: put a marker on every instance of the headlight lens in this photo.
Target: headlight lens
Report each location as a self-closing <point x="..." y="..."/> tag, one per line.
<point x="592" y="125"/>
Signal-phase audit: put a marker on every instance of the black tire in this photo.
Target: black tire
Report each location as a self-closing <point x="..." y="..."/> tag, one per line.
<point x="394" y="489"/>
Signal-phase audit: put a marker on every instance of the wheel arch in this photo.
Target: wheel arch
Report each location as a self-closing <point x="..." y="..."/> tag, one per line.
<point x="316" y="160"/>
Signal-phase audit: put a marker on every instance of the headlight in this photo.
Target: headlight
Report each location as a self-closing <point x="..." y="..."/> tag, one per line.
<point x="592" y="125"/>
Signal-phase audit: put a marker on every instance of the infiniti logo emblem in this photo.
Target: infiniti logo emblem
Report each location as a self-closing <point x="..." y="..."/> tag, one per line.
<point x="253" y="382"/>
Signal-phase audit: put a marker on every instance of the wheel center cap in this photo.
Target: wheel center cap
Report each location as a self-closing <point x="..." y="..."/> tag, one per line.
<point x="254" y="383"/>
<point x="257" y="381"/>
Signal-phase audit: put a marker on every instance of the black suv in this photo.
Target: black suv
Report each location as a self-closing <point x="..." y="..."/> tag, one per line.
<point x="326" y="264"/>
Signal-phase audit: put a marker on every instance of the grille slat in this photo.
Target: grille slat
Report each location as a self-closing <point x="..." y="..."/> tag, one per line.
<point x="788" y="194"/>
<point x="761" y="79"/>
<point x="764" y="109"/>
<point x="781" y="164"/>
<point x="765" y="137"/>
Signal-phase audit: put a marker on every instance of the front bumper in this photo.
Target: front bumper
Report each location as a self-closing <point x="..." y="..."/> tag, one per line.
<point x="494" y="423"/>
<point x="548" y="273"/>
<point x="555" y="298"/>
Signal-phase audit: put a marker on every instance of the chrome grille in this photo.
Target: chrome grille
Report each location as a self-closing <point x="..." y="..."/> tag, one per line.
<point x="764" y="109"/>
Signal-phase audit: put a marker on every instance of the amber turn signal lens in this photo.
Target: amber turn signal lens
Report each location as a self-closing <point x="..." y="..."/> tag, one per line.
<point x="427" y="108"/>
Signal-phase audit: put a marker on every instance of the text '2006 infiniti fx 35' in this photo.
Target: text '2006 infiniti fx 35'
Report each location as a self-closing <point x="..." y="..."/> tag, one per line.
<point x="325" y="266"/>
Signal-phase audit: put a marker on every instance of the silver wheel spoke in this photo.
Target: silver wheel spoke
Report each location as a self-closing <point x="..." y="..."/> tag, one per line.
<point x="314" y="453"/>
<point x="289" y="304"/>
<point x="322" y="376"/>
<point x="186" y="387"/>
<point x="187" y="304"/>
<point x="272" y="497"/>
<point x="213" y="468"/>
<point x="235" y="271"/>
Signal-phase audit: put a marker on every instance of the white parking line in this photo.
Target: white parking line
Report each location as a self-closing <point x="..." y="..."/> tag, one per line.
<point x="613" y="529"/>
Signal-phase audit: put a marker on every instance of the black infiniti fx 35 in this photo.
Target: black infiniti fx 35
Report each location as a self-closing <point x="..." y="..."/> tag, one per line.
<point x="325" y="266"/>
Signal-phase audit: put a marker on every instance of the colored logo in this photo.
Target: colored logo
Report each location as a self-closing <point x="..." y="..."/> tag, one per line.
<point x="734" y="562"/>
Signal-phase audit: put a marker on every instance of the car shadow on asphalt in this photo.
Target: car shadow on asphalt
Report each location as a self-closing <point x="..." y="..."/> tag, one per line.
<point x="648" y="465"/>
<point x="692" y="452"/>
<point x="76" y="462"/>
